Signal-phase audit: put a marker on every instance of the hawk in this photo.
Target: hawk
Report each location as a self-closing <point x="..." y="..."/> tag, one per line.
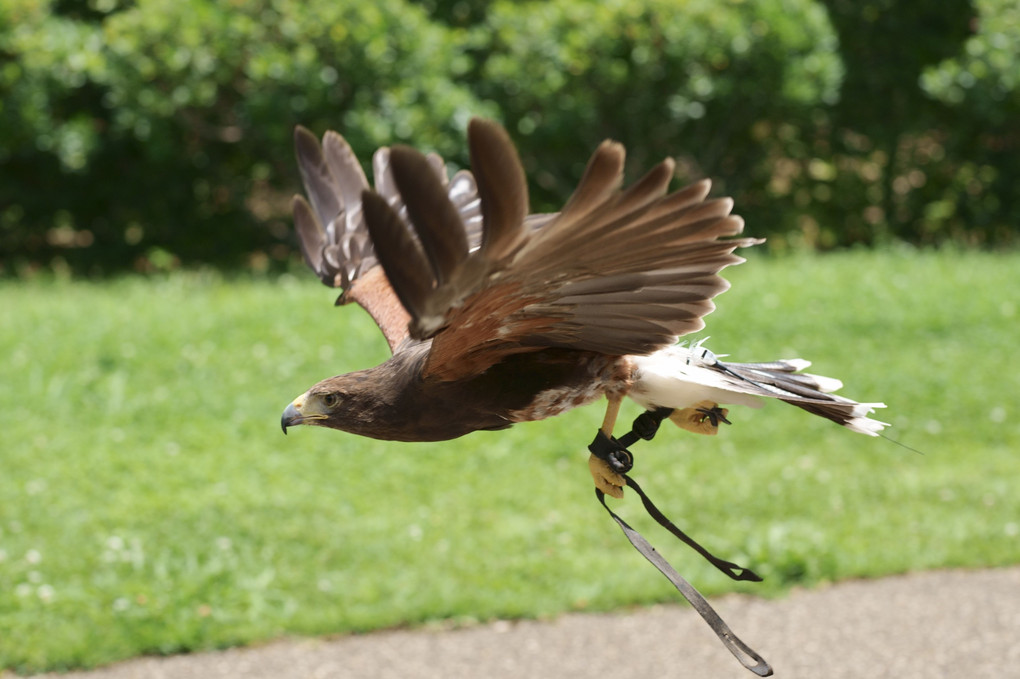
<point x="495" y="316"/>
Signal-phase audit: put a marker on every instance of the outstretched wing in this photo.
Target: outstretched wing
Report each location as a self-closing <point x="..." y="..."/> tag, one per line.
<point x="617" y="271"/>
<point x="331" y="225"/>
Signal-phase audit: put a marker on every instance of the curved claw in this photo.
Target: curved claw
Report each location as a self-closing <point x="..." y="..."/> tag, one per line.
<point x="606" y="480"/>
<point x="715" y="415"/>
<point x="701" y="418"/>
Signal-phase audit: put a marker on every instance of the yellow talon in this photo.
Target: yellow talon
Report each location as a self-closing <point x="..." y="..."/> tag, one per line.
<point x="606" y="480"/>
<point x="698" y="419"/>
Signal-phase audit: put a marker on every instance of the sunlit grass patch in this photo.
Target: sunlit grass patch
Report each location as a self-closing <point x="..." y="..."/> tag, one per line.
<point x="150" y="504"/>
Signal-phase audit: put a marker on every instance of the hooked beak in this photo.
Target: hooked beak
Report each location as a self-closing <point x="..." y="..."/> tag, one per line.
<point x="291" y="417"/>
<point x="304" y="409"/>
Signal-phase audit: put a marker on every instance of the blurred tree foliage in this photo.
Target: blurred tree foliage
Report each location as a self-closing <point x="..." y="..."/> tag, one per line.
<point x="979" y="86"/>
<point x="700" y="80"/>
<point x="144" y="133"/>
<point x="151" y="132"/>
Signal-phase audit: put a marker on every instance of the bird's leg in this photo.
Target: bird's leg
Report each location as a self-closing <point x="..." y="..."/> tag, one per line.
<point x="607" y="480"/>
<point x="612" y="412"/>
<point x="701" y="418"/>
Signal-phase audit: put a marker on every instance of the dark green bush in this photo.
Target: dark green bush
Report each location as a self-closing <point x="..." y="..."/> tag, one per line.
<point x="141" y="134"/>
<point x="698" y="80"/>
<point x="161" y="130"/>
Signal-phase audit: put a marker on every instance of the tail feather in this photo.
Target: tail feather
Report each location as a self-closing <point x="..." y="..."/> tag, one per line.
<point x="680" y="376"/>
<point x="808" y="392"/>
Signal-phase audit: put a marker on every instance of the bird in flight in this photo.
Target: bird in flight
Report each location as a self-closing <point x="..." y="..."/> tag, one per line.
<point x="495" y="316"/>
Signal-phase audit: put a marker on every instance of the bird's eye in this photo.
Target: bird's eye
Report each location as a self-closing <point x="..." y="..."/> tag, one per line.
<point x="330" y="400"/>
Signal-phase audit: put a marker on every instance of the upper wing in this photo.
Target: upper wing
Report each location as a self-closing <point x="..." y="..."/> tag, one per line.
<point x="617" y="271"/>
<point x="331" y="225"/>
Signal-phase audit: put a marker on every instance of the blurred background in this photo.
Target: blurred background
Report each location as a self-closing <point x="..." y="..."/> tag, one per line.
<point x="155" y="317"/>
<point x="157" y="133"/>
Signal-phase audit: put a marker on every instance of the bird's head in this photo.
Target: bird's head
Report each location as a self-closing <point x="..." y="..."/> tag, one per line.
<point x="321" y="405"/>
<point x="358" y="402"/>
<point x="367" y="402"/>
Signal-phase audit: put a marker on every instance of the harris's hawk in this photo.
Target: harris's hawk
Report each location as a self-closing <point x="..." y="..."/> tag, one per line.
<point x="496" y="316"/>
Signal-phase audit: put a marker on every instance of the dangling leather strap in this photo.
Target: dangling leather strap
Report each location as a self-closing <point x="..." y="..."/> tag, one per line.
<point x="621" y="460"/>
<point x="741" y="651"/>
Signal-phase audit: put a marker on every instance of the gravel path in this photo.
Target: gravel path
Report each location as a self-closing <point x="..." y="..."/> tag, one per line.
<point x="962" y="624"/>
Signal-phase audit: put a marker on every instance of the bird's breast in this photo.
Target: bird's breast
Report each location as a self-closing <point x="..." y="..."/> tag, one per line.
<point x="552" y="402"/>
<point x="596" y="375"/>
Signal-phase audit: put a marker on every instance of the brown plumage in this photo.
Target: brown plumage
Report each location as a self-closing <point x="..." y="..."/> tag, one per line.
<point x="496" y="317"/>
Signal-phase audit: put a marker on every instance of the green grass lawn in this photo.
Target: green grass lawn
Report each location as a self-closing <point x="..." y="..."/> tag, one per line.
<point x="150" y="504"/>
